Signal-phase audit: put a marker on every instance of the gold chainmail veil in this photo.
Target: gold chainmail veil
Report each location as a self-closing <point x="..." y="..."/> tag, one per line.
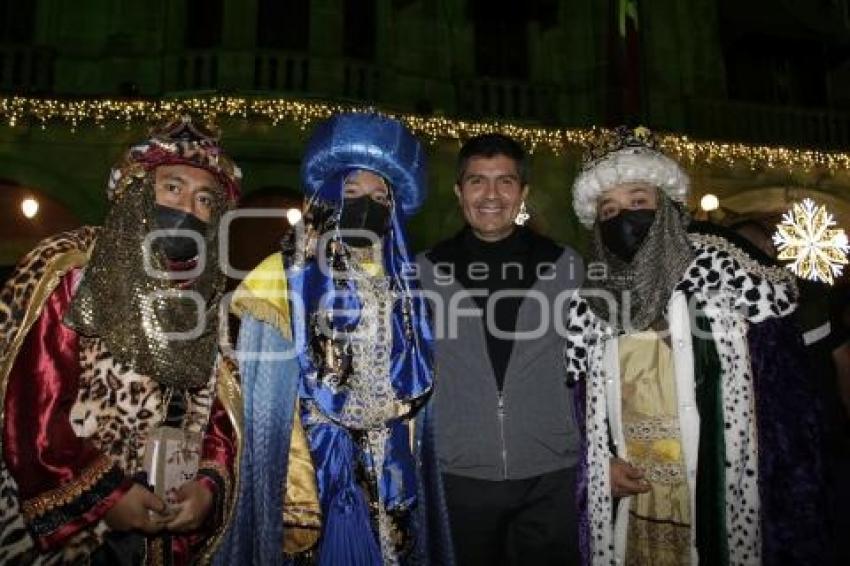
<point x="651" y="276"/>
<point x="132" y="310"/>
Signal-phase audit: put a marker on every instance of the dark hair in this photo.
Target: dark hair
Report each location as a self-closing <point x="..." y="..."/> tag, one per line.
<point x="750" y="223"/>
<point x="490" y="145"/>
<point x="740" y="229"/>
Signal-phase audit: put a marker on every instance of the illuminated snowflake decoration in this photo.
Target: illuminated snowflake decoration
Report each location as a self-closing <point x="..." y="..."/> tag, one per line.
<point x="808" y="239"/>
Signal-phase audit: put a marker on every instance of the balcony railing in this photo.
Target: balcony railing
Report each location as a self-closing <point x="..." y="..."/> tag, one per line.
<point x="197" y="70"/>
<point x="741" y="121"/>
<point x="361" y="80"/>
<point x="277" y="70"/>
<point x="487" y="98"/>
<point x="25" y="69"/>
<point x="270" y="70"/>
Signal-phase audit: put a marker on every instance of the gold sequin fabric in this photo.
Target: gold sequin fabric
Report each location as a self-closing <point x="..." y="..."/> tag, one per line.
<point x="138" y="313"/>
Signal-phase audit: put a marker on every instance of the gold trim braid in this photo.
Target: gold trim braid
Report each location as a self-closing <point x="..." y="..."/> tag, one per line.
<point x="264" y="295"/>
<point x="230" y="394"/>
<point x="223" y="472"/>
<point x="64" y="494"/>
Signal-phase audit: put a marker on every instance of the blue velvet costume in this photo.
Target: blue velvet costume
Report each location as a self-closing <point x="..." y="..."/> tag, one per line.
<point x="406" y="483"/>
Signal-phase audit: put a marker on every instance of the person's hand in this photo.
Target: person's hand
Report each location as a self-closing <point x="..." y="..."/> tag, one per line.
<point x="138" y="510"/>
<point x="194" y="502"/>
<point x="626" y="479"/>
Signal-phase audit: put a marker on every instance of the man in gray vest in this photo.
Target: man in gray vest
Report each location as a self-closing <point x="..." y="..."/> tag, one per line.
<point x="506" y="438"/>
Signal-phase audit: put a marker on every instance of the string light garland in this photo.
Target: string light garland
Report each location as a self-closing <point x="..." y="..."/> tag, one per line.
<point x="808" y="239"/>
<point x="74" y="113"/>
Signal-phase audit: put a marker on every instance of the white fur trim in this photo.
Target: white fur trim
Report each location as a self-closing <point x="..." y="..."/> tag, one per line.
<point x="627" y="165"/>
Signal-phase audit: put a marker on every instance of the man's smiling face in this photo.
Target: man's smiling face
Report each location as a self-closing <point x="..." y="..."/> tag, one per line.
<point x="490" y="193"/>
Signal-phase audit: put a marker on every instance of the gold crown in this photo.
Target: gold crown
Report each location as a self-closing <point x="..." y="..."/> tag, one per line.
<point x="186" y="128"/>
<point x="606" y="141"/>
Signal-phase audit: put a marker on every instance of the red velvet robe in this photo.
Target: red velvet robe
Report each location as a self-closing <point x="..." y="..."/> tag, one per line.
<point x="65" y="483"/>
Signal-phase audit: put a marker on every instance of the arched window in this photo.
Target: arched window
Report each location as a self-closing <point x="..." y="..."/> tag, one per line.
<point x="501" y="38"/>
<point x="776" y="70"/>
<point x="204" y="23"/>
<point x="283" y="24"/>
<point x="17" y="21"/>
<point x="359" y="29"/>
<point x="27" y="216"/>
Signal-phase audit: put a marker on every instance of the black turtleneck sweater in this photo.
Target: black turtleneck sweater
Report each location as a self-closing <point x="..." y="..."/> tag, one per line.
<point x="512" y="264"/>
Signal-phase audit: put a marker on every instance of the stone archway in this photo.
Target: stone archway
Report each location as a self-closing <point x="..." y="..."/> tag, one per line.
<point x="774" y="201"/>
<point x="19" y="234"/>
<point x="86" y="206"/>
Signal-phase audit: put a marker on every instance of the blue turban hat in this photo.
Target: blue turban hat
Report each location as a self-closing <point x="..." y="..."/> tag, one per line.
<point x="366" y="141"/>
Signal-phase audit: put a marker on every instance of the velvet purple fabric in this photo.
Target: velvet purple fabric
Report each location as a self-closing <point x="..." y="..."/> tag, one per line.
<point x="791" y="474"/>
<point x="581" y="473"/>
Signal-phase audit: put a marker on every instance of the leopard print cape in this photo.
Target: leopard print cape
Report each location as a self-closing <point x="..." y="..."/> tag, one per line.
<point x="21" y="298"/>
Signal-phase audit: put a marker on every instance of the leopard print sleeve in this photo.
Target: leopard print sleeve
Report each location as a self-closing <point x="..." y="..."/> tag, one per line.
<point x="57" y="253"/>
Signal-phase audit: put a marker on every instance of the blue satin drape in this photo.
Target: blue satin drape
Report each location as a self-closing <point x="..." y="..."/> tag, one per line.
<point x="269" y="390"/>
<point x="411" y="377"/>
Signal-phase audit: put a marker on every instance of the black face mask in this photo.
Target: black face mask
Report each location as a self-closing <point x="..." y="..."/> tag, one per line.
<point x="624" y="233"/>
<point x="178" y="247"/>
<point x="363" y="213"/>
